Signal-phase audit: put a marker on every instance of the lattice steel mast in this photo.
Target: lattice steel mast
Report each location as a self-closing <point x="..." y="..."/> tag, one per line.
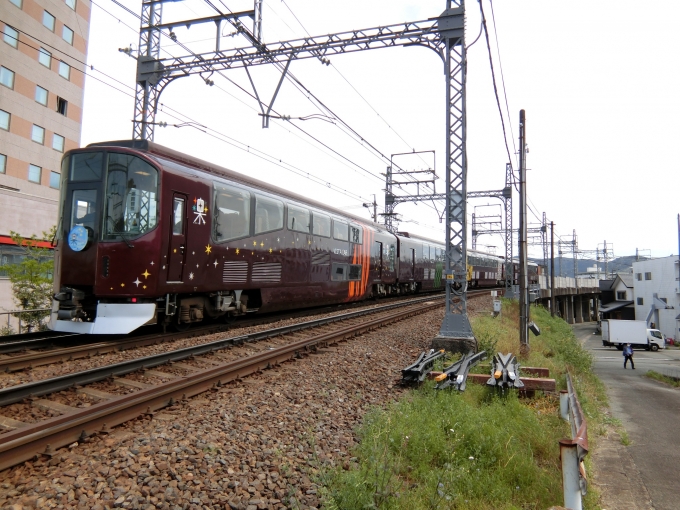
<point x="444" y="34"/>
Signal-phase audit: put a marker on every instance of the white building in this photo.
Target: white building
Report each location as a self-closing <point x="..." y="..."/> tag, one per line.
<point x="658" y="278"/>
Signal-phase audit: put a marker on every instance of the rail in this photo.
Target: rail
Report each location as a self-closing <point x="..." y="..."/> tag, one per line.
<point x="19" y="313"/>
<point x="574" y="450"/>
<point x="45" y="436"/>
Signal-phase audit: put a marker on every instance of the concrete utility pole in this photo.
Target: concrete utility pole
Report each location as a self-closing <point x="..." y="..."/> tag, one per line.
<point x="552" y="269"/>
<point x="524" y="304"/>
<point x="373" y="204"/>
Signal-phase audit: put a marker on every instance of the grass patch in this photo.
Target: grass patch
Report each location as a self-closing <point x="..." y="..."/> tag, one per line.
<point x="479" y="449"/>
<point x="666" y="379"/>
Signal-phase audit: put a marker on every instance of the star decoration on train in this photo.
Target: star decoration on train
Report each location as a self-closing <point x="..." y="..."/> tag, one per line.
<point x="215" y="263"/>
<point x="191" y="276"/>
<point x="270" y="250"/>
<point x="237" y="251"/>
<point x="278" y="239"/>
<point x="144" y="286"/>
<point x="174" y="250"/>
<point x="146" y="274"/>
<point x="254" y="243"/>
<point x="152" y="262"/>
<point x="309" y="242"/>
<point x="137" y="282"/>
<point x="262" y="244"/>
<point x="208" y="249"/>
<point x="122" y="285"/>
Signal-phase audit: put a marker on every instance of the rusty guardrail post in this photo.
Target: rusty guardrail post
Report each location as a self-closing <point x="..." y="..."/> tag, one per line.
<point x="574" y="450"/>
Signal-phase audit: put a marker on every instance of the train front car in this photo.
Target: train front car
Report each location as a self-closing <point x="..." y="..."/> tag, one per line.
<point x="107" y="241"/>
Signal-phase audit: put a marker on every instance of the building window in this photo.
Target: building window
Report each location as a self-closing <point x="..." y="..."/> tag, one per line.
<point x="640" y="301"/>
<point x="648" y="276"/>
<point x="38" y="134"/>
<point x="34" y="173"/>
<point x="40" y="95"/>
<point x="17" y="3"/>
<point x="58" y="142"/>
<point x="11" y="36"/>
<point x="45" y="57"/>
<point x="62" y="105"/>
<point x="7" y="77"/>
<point x="3" y="163"/>
<point x="54" y="180"/>
<point x="67" y="35"/>
<point x="638" y="276"/>
<point x="4" y="120"/>
<point x="665" y="300"/>
<point x="621" y="295"/>
<point x="71" y="4"/>
<point x="64" y="70"/>
<point x="48" y="20"/>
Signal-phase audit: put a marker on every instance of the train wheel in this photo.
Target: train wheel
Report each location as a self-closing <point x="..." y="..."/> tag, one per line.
<point x="180" y="326"/>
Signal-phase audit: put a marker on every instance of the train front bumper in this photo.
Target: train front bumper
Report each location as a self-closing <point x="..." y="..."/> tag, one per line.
<point x="112" y="319"/>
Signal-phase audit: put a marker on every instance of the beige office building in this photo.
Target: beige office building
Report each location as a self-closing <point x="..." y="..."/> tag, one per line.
<point x="43" y="48"/>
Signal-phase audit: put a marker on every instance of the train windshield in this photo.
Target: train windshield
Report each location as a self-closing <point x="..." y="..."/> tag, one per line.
<point x="131" y="206"/>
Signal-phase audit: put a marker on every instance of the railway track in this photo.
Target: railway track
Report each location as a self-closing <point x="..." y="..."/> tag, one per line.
<point x="32" y="349"/>
<point x="125" y="391"/>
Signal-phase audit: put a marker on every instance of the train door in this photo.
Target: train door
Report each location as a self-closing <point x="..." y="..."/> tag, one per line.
<point x="178" y="238"/>
<point x="413" y="263"/>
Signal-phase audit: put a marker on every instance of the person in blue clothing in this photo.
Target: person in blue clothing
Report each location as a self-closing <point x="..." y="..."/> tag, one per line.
<point x="628" y="356"/>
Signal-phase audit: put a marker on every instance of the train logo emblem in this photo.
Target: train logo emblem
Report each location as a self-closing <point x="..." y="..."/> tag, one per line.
<point x="200" y="211"/>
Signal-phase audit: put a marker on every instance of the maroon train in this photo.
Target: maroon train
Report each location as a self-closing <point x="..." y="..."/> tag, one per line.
<point x="148" y="235"/>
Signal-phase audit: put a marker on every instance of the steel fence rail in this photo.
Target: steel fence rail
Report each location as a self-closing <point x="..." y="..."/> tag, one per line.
<point x="574" y="450"/>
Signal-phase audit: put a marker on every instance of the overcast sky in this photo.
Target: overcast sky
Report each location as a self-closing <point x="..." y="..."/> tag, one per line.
<point x="599" y="82"/>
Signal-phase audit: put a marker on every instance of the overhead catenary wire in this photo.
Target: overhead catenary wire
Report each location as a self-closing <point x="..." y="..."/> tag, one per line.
<point x="308" y="94"/>
<point x="214" y="133"/>
<point x="493" y="77"/>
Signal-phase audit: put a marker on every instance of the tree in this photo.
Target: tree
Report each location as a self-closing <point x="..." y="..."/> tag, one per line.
<point x="31" y="278"/>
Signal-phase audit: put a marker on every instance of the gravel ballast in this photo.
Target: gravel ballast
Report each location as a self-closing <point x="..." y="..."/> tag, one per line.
<point x="253" y="444"/>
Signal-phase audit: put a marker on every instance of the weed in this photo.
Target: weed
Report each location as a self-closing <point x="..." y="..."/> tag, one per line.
<point x="667" y="379"/>
<point x="477" y="449"/>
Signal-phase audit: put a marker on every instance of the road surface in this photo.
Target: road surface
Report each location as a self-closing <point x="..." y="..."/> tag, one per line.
<point x="650" y="413"/>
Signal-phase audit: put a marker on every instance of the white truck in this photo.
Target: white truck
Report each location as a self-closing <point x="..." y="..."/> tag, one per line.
<point x="636" y="333"/>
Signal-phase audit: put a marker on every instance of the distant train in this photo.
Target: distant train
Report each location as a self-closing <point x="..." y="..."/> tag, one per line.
<point x="148" y="235"/>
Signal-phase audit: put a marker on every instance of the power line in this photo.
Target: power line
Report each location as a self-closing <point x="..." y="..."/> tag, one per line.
<point x="493" y="76"/>
<point x="500" y="65"/>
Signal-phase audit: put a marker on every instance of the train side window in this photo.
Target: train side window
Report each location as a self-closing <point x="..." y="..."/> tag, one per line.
<point x="298" y="219"/>
<point x="354" y="272"/>
<point x="339" y="272"/>
<point x="84" y="209"/>
<point x="392" y="256"/>
<point x="231" y="213"/>
<point x="86" y="166"/>
<point x="355" y="234"/>
<point x="268" y="214"/>
<point x="340" y="230"/>
<point x="178" y="216"/>
<point x="321" y="225"/>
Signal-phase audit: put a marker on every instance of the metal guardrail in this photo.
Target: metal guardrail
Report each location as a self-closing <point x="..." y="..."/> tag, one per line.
<point x="20" y="312"/>
<point x="574" y="450"/>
